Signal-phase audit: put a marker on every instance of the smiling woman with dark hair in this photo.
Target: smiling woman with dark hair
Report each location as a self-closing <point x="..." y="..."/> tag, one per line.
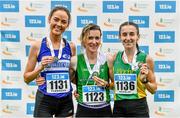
<point x="53" y="53"/>
<point x="133" y="74"/>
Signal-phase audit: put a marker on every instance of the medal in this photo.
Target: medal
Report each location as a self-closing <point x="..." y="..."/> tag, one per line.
<point x="135" y="66"/>
<point x="92" y="72"/>
<point x="95" y="73"/>
<point x="48" y="66"/>
<point x="52" y="49"/>
<point x="56" y="59"/>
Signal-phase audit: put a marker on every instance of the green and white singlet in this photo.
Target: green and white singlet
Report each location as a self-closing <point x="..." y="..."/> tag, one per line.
<point x="127" y="81"/>
<point x="91" y="95"/>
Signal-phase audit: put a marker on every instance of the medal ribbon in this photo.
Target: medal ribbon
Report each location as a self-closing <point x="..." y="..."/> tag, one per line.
<point x="96" y="66"/>
<point x="52" y="49"/>
<point x="133" y="61"/>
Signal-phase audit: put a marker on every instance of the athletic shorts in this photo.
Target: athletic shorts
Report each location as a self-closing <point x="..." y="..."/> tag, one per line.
<point x="48" y="106"/>
<point x="83" y="111"/>
<point x="131" y="108"/>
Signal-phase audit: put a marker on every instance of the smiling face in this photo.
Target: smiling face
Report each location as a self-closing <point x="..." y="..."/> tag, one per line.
<point x="92" y="41"/>
<point x="129" y="36"/>
<point x="58" y="22"/>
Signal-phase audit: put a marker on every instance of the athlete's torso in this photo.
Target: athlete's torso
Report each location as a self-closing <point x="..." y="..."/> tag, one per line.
<point x="127" y="82"/>
<point x="87" y="89"/>
<point x="56" y="74"/>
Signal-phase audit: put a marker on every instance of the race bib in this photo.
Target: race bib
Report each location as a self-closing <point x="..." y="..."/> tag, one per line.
<point x="57" y="82"/>
<point x="125" y="83"/>
<point x="94" y="95"/>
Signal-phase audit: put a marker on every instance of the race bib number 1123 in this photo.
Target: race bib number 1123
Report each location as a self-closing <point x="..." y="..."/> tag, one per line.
<point x="93" y="94"/>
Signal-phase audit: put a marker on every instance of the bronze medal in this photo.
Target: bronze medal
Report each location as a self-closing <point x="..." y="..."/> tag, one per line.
<point x="95" y="73"/>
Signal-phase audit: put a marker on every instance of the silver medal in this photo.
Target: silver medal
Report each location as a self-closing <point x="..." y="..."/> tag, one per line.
<point x="135" y="66"/>
<point x="48" y="66"/>
<point x="56" y="59"/>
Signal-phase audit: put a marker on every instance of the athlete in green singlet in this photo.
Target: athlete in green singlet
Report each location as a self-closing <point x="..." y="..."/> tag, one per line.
<point x="93" y="75"/>
<point x="133" y="74"/>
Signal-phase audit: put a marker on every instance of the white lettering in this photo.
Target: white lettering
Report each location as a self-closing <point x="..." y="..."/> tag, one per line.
<point x="34" y="21"/>
<point x="164" y="6"/>
<point x="8" y="6"/>
<point x="112" y="7"/>
<point x="163" y="66"/>
<point x="139" y="21"/>
<point x="11" y="94"/>
<point x="10" y="36"/>
<point x="164" y="37"/>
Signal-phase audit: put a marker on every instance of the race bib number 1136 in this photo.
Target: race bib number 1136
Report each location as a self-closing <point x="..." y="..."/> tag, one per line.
<point x="125" y="83"/>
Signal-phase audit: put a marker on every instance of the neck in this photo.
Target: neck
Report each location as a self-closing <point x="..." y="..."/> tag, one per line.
<point x="55" y="38"/>
<point x="92" y="57"/>
<point x="130" y="54"/>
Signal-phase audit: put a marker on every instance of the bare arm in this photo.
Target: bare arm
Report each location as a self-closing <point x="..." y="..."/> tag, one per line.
<point x="73" y="48"/>
<point x="110" y="61"/>
<point x="30" y="71"/>
<point x="73" y="66"/>
<point x="151" y="85"/>
<point x="73" y="63"/>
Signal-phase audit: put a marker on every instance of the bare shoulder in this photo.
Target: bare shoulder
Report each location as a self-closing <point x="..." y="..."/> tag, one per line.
<point x="35" y="46"/>
<point x="73" y="63"/>
<point x="74" y="58"/>
<point x="36" y="43"/>
<point x="150" y="62"/>
<point x="149" y="59"/>
<point x="114" y="55"/>
<point x="73" y="48"/>
<point x="72" y="44"/>
<point x="110" y="58"/>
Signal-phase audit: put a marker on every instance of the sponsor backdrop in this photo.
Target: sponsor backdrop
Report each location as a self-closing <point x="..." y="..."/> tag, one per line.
<point x="24" y="21"/>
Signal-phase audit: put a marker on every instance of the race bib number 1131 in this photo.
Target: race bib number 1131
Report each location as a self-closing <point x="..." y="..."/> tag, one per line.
<point x="57" y="82"/>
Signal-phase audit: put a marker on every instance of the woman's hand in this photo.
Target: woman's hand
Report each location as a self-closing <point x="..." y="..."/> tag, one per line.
<point x="100" y="82"/>
<point x="144" y="71"/>
<point x="40" y="80"/>
<point x="47" y="60"/>
<point x="76" y="95"/>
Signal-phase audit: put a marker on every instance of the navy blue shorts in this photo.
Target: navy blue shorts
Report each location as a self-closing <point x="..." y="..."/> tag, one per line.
<point x="47" y="106"/>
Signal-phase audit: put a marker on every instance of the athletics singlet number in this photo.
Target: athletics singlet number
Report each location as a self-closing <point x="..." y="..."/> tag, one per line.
<point x="57" y="82"/>
<point x="94" y="94"/>
<point x="125" y="83"/>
